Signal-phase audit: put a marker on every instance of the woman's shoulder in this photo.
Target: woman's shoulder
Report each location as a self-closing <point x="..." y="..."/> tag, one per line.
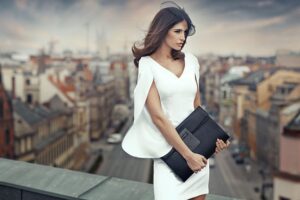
<point x="192" y="59"/>
<point x="144" y="60"/>
<point x="189" y="55"/>
<point x="145" y="65"/>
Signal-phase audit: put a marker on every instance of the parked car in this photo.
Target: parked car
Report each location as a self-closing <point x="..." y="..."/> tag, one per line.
<point x="239" y="159"/>
<point x="114" y="138"/>
<point x="238" y="149"/>
<point x="235" y="151"/>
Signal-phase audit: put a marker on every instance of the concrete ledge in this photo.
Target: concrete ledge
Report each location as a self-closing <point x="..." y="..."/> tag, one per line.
<point x="25" y="181"/>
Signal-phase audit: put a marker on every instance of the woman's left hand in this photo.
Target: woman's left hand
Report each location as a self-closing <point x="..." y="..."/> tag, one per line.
<point x="221" y="145"/>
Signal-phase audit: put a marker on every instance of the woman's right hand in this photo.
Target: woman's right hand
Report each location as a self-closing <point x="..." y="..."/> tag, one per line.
<point x="196" y="162"/>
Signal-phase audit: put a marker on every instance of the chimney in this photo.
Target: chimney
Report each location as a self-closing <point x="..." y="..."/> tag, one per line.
<point x="13" y="83"/>
<point x="0" y="74"/>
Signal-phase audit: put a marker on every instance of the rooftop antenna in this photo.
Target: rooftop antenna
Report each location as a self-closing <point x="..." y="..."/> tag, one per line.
<point x="98" y="42"/>
<point x="52" y="44"/>
<point x="87" y="24"/>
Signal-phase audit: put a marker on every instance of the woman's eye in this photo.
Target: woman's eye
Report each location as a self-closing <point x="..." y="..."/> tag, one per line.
<point x="177" y="31"/>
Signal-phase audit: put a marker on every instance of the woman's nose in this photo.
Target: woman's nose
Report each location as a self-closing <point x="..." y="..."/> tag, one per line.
<point x="182" y="37"/>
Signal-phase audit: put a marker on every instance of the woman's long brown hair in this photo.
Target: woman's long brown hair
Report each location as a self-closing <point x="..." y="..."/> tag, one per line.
<point x="164" y="20"/>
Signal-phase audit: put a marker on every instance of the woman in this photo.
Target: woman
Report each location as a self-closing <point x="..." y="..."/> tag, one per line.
<point x="166" y="93"/>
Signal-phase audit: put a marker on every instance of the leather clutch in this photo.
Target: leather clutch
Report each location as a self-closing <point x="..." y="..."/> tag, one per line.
<point x="199" y="132"/>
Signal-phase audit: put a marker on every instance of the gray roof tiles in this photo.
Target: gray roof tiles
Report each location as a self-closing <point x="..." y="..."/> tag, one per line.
<point x="294" y="124"/>
<point x="33" y="115"/>
<point x="254" y="78"/>
<point x="26" y="113"/>
<point x="44" y="112"/>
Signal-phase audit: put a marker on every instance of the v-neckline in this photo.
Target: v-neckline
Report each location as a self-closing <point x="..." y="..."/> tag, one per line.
<point x="178" y="77"/>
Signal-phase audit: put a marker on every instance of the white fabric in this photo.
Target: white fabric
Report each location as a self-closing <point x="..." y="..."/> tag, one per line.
<point x="167" y="186"/>
<point x="143" y="139"/>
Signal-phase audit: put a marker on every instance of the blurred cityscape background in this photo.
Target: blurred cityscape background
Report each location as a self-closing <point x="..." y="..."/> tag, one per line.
<point x="67" y="79"/>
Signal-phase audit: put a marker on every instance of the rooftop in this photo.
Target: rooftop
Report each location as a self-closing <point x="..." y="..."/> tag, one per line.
<point x="44" y="112"/>
<point x="254" y="78"/>
<point x="292" y="129"/>
<point x="26" y="113"/>
<point x="294" y="123"/>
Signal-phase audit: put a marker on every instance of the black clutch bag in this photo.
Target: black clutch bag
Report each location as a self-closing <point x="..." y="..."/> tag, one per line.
<point x="199" y="132"/>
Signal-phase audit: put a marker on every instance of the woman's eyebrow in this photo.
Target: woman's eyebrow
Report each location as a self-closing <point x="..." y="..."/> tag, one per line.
<point x="180" y="29"/>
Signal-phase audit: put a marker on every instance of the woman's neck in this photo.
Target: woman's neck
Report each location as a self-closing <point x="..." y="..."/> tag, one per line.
<point x="163" y="52"/>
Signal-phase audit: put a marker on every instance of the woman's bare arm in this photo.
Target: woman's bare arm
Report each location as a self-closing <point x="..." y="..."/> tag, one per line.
<point x="197" y="101"/>
<point x="195" y="161"/>
<point x="163" y="124"/>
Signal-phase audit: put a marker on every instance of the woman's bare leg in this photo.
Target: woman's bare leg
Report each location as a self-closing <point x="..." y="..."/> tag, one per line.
<point x="201" y="197"/>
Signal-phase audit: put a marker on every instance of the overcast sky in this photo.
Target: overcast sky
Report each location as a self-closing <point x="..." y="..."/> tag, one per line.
<point x="223" y="27"/>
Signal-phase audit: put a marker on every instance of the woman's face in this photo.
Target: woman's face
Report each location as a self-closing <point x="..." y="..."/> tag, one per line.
<point x="176" y="35"/>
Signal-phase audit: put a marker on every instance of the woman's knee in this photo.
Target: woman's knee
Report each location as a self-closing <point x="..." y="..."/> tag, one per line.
<point x="200" y="197"/>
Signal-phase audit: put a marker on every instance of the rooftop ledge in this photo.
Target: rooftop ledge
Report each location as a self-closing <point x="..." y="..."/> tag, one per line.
<point x="26" y="181"/>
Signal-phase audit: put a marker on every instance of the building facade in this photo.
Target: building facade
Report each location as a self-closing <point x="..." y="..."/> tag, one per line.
<point x="6" y="122"/>
<point x="287" y="179"/>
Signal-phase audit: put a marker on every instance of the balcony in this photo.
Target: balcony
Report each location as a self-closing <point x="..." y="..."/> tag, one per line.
<point x="25" y="181"/>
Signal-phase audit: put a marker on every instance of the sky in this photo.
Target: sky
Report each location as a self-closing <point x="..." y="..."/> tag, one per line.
<point x="225" y="27"/>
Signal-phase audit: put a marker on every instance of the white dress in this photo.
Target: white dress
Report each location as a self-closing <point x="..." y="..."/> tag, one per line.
<point x="144" y="140"/>
<point x="177" y="96"/>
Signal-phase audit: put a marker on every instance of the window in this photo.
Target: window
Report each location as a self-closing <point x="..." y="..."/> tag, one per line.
<point x="22" y="149"/>
<point x="29" y="144"/>
<point x="17" y="148"/>
<point x="1" y="108"/>
<point x="13" y="83"/>
<point x="29" y="98"/>
<point x="224" y="95"/>
<point x="7" y="136"/>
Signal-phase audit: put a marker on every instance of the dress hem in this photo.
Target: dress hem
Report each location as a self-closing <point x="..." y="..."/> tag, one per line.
<point x="193" y="195"/>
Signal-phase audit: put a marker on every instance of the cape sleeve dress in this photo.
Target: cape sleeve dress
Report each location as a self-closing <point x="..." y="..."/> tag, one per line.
<point x="144" y="140"/>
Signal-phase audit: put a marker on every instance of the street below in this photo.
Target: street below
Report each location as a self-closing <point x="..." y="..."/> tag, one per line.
<point x="226" y="178"/>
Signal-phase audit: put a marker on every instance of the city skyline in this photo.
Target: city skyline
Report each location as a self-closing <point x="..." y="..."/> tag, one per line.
<point x="232" y="27"/>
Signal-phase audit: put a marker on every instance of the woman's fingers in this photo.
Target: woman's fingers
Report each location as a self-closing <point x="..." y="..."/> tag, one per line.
<point x="227" y="143"/>
<point x="221" y="145"/>
<point x="204" y="160"/>
<point x="202" y="164"/>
